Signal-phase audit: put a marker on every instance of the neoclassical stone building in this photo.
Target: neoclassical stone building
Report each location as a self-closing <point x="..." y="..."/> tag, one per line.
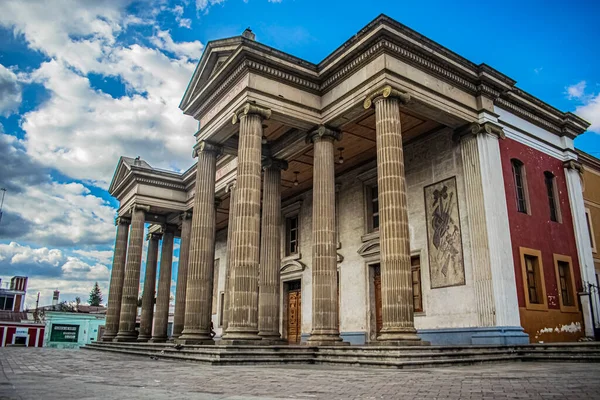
<point x="394" y="193"/>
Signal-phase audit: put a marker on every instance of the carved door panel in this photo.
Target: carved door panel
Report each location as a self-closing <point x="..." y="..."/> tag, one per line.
<point x="294" y="316"/>
<point x="377" y="286"/>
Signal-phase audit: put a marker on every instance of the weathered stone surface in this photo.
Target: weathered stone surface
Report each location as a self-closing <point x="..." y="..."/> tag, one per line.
<point x="243" y="315"/>
<point x="127" y="331"/>
<point x="182" y="274"/>
<point x="161" y="318"/>
<point x="116" y="279"/>
<point x="202" y="249"/>
<point x="325" y="318"/>
<point x="270" y="254"/>
<point x="396" y="281"/>
<point x="149" y="288"/>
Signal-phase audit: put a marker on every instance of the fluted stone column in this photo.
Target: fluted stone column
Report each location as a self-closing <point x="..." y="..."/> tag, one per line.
<point x="396" y="282"/>
<point x="182" y="273"/>
<point x="325" y="328"/>
<point x="149" y="288"/>
<point x="243" y="318"/>
<point x="131" y="286"/>
<point x="116" y="280"/>
<point x="270" y="251"/>
<point x="230" y="229"/>
<point x="161" y="317"/>
<point x="198" y="305"/>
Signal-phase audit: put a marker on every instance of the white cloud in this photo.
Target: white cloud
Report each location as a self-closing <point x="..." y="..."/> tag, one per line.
<point x="576" y="91"/>
<point x="590" y="111"/>
<point x="10" y="92"/>
<point x="191" y="50"/>
<point x="50" y="269"/>
<point x="203" y="5"/>
<point x="101" y="256"/>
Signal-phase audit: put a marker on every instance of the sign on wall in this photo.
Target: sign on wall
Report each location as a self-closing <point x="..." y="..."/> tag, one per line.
<point x="444" y="241"/>
<point x="64" y="333"/>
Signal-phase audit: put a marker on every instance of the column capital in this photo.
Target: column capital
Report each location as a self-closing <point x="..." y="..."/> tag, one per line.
<point x="140" y="207"/>
<point x="204" y="146"/>
<point x="122" y="220"/>
<point x="186" y="215"/>
<point x="154" y="236"/>
<point x="385" y="92"/>
<point x="271" y="162"/>
<point x="323" y="132"/>
<point x="574" y="165"/>
<point x="251" y="108"/>
<point x="230" y="186"/>
<point x="476" y="128"/>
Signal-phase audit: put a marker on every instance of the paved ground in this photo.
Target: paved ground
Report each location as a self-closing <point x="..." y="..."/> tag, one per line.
<point x="78" y="374"/>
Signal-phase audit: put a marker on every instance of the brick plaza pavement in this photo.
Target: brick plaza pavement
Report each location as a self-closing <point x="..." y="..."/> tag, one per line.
<point x="78" y="374"/>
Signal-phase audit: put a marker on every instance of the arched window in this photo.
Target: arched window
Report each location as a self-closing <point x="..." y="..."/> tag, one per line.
<point x="550" y="180"/>
<point x="520" y="185"/>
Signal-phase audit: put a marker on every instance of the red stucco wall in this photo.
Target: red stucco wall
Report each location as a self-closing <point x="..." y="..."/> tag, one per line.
<point x="536" y="231"/>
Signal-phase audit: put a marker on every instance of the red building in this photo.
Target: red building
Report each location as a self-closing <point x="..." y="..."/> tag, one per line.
<point x="547" y="273"/>
<point x="15" y="328"/>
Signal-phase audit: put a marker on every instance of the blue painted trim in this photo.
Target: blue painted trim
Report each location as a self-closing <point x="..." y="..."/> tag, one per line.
<point x="496" y="335"/>
<point x="358" y="338"/>
<point x="304" y="337"/>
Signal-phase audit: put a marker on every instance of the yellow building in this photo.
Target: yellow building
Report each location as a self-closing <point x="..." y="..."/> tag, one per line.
<point x="591" y="198"/>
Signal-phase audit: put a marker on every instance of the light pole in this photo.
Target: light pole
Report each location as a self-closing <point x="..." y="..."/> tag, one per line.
<point x="3" y="190"/>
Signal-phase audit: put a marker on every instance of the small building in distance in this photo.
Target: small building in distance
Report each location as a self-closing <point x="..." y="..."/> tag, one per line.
<point x="16" y="329"/>
<point x="71" y="325"/>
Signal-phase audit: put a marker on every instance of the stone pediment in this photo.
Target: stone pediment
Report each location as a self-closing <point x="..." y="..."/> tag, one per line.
<point x="214" y="57"/>
<point x="370" y="248"/>
<point x="291" y="266"/>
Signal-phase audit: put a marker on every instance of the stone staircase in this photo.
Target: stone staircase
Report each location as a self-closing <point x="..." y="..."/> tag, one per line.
<point x="369" y="356"/>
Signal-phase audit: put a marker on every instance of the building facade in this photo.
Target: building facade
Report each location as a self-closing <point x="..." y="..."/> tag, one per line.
<point x="395" y="193"/>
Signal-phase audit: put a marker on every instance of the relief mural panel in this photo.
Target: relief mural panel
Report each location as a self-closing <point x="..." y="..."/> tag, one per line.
<point x="444" y="243"/>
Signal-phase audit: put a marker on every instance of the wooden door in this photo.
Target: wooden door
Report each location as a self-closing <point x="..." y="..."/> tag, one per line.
<point x="294" y="313"/>
<point x="377" y="286"/>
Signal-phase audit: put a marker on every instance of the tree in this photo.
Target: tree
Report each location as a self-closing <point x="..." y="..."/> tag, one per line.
<point x="95" y="296"/>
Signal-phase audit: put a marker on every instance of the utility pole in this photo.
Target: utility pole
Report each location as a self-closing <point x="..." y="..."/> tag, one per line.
<point x="3" y="190"/>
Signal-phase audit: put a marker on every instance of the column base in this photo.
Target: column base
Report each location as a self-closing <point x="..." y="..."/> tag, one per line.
<point x="198" y="338"/>
<point x="241" y="334"/>
<point x="394" y="334"/>
<point x="143" y="338"/>
<point x="158" y="340"/>
<point x="126" y="337"/>
<point x="108" y="337"/>
<point x="326" y="339"/>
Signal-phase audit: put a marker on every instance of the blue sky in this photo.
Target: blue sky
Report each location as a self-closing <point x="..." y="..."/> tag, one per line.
<point x="82" y="83"/>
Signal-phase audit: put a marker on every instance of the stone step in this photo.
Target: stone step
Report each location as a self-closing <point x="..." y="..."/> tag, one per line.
<point x="401" y="364"/>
